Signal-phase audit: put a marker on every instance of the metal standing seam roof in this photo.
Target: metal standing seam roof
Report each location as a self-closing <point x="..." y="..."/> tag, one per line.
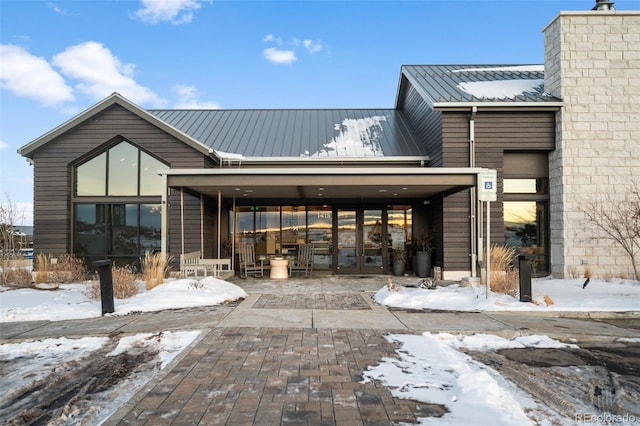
<point x="316" y="133"/>
<point x="494" y="83"/>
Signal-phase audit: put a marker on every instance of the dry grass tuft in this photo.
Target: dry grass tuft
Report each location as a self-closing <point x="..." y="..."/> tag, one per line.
<point x="155" y="267"/>
<point x="573" y="271"/>
<point x="14" y="276"/>
<point x="391" y="286"/>
<point x="65" y="269"/>
<point x="504" y="277"/>
<point x="124" y="284"/>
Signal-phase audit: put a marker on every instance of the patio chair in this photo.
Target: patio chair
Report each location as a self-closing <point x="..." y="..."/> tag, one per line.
<point x="304" y="260"/>
<point x="248" y="262"/>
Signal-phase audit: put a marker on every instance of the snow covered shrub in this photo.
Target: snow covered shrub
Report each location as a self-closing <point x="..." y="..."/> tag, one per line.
<point x="504" y="277"/>
<point x="155" y="267"/>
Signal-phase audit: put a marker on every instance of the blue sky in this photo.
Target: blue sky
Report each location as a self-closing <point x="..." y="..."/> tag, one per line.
<point x="58" y="58"/>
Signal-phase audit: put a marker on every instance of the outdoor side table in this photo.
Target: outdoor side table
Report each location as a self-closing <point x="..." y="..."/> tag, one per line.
<point x="279" y="268"/>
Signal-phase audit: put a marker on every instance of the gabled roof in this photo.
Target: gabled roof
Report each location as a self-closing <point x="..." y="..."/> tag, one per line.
<point x="299" y="133"/>
<point x="256" y="134"/>
<point x="114" y="99"/>
<point x="444" y="86"/>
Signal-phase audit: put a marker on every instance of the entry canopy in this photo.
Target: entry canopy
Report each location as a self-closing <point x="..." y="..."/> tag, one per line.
<point x="324" y="183"/>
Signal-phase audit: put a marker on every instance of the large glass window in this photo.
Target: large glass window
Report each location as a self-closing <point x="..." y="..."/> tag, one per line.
<point x="124" y="230"/>
<point x="319" y="230"/>
<point x="281" y="229"/>
<point x="122" y="170"/>
<point x="121" y="232"/>
<point x="526" y="219"/>
<point x="267" y="230"/>
<point x="91" y="177"/>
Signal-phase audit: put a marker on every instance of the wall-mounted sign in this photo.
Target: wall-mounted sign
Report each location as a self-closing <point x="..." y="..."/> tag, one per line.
<point x="487" y="185"/>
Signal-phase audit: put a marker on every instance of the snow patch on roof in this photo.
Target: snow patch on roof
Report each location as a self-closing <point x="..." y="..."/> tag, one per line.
<point x="502" y="88"/>
<point x="228" y="155"/>
<point x="357" y="137"/>
<point x="514" y="68"/>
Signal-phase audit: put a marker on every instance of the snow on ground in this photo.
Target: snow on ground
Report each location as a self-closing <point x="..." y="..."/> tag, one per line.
<point x="430" y="369"/>
<point x="565" y="295"/>
<point x="26" y="363"/>
<point x="71" y="302"/>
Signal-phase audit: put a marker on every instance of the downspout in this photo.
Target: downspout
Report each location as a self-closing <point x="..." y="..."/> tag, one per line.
<point x="164" y="227"/>
<point x="472" y="202"/>
<point x="219" y="219"/>
<point x="181" y="220"/>
<point x="233" y="236"/>
<point x="202" y="225"/>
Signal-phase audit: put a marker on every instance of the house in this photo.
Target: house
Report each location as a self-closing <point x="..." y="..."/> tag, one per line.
<point x="118" y="180"/>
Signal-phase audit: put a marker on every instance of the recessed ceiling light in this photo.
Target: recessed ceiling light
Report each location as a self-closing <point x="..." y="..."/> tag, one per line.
<point x="382" y="190"/>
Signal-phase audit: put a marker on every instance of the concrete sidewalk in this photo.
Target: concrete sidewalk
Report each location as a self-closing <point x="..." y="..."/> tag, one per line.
<point x="332" y="303"/>
<point x="293" y="353"/>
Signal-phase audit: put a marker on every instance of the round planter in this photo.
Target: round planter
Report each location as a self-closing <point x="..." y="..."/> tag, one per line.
<point x="398" y="267"/>
<point x="423" y="260"/>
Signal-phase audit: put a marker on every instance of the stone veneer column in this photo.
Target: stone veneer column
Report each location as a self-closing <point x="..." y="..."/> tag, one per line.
<point x="592" y="62"/>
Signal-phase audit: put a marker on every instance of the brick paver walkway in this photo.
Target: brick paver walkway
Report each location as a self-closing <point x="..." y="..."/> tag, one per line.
<point x="269" y="376"/>
<point x="312" y="301"/>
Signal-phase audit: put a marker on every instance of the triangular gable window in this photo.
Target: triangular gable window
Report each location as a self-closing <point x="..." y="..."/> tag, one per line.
<point x="122" y="170"/>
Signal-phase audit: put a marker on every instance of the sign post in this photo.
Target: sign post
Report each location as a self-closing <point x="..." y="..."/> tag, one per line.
<point x="487" y="183"/>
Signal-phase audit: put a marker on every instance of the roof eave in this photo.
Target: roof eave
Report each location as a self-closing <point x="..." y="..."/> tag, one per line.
<point x="498" y="106"/>
<point x="353" y="171"/>
<point x="422" y="160"/>
<point x="113" y="99"/>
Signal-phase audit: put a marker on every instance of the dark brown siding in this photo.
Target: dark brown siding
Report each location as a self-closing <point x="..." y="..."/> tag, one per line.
<point x="495" y="133"/>
<point x="53" y="167"/>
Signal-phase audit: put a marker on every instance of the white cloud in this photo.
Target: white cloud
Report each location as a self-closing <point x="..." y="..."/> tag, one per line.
<point x="100" y="73"/>
<point x="188" y="98"/>
<point x="30" y="76"/>
<point x="272" y="38"/>
<point x="312" y="46"/>
<point x="57" y="9"/>
<point x="3" y="145"/>
<point x="175" y="11"/>
<point x="278" y="56"/>
<point x="288" y="56"/>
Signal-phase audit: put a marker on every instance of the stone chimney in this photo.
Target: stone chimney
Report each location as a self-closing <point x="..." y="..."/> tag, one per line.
<point x="592" y="63"/>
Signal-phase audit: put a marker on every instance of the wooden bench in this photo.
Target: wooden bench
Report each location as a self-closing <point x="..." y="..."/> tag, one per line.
<point x="218" y="268"/>
<point x="191" y="264"/>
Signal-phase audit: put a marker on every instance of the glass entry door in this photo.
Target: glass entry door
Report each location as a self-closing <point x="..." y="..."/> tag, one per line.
<point x="359" y="241"/>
